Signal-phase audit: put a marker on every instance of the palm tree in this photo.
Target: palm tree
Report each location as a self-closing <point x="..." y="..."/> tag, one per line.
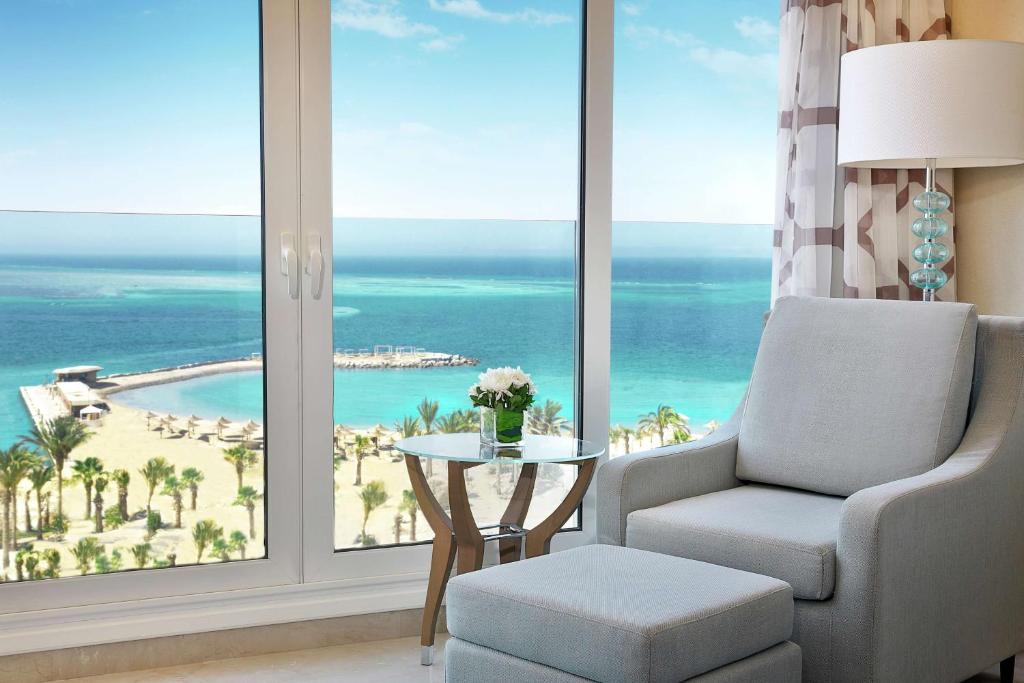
<point x="221" y="549"/>
<point x="247" y="498"/>
<point x="101" y="485"/>
<point x="85" y="552"/>
<point x="682" y="434"/>
<point x="547" y="419"/>
<point x="428" y="413"/>
<point x="410" y="506"/>
<point x="39" y="476"/>
<point x="154" y="472"/>
<point x="242" y="458"/>
<point x="399" y="518"/>
<point x="373" y="496"/>
<point x="614" y="435"/>
<point x="449" y="424"/>
<point x="204" y="533"/>
<point x="141" y="553"/>
<point x="175" y="488"/>
<point x="363" y="445"/>
<point x="86" y="472"/>
<point x="59" y="437"/>
<point x="15" y="464"/>
<point x="627" y="434"/>
<point x="658" y="421"/>
<point x="238" y="542"/>
<point x="192" y="477"/>
<point x="409" y="426"/>
<point x="122" y="478"/>
<point x="52" y="558"/>
<point x="28" y="512"/>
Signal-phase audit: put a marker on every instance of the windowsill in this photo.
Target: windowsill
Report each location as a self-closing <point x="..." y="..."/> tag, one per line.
<point x="55" y="629"/>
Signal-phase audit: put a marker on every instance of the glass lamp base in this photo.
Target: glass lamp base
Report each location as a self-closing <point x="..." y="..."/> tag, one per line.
<point x="930" y="254"/>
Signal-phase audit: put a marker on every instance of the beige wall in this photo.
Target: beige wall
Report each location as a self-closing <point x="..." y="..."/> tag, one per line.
<point x="990" y="201"/>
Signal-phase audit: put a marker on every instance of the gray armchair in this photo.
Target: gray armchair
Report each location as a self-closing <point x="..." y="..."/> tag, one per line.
<point x="877" y="465"/>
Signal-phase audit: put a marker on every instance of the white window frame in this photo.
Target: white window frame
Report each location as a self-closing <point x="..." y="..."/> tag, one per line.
<point x="409" y="564"/>
<point x="303" y="577"/>
<point x="282" y="565"/>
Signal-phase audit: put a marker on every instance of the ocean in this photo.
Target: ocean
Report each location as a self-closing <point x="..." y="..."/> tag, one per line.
<point x="685" y="328"/>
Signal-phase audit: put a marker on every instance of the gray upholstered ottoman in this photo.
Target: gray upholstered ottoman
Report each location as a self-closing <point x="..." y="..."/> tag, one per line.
<point x="611" y="614"/>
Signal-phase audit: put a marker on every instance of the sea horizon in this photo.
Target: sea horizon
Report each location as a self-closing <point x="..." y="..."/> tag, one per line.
<point x="685" y="328"/>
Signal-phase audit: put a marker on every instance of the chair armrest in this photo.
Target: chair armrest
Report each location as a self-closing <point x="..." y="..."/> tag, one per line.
<point x="925" y="560"/>
<point x="650" y="478"/>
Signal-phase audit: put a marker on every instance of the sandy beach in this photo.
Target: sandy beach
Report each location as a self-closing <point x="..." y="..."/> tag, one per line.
<point x="122" y="441"/>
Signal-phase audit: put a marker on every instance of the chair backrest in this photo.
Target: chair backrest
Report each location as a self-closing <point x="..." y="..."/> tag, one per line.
<point x="849" y="393"/>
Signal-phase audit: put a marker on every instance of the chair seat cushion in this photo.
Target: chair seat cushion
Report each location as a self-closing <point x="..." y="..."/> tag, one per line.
<point x="608" y="613"/>
<point x="785" y="533"/>
<point x="847" y="394"/>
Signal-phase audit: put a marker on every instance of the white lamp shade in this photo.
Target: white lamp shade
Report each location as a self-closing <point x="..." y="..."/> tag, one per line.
<point x="960" y="102"/>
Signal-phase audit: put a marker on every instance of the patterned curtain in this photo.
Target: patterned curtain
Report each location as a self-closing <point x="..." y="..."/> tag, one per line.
<point x="844" y="232"/>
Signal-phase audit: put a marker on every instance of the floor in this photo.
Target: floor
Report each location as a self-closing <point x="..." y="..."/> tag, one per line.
<point x="382" y="661"/>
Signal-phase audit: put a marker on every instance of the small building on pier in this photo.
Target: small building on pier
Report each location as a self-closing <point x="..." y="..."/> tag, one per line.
<point x="86" y="374"/>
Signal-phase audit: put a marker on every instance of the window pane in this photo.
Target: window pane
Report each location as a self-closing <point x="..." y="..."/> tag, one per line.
<point x="131" y="304"/>
<point x="455" y="193"/>
<point x="695" y="100"/>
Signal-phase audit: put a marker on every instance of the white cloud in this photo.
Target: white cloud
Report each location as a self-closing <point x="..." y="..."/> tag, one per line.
<point x="442" y="43"/>
<point x="757" y="29"/>
<point x="631" y="8"/>
<point x="472" y="9"/>
<point x="646" y="35"/>
<point x="732" y="63"/>
<point x="382" y="17"/>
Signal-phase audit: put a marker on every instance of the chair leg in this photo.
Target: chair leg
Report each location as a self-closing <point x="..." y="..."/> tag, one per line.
<point x="1006" y="669"/>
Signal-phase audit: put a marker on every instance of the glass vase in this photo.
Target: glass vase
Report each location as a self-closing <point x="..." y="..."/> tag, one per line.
<point x="502" y="427"/>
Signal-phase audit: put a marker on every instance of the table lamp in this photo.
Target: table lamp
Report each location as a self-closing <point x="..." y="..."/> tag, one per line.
<point x="932" y="104"/>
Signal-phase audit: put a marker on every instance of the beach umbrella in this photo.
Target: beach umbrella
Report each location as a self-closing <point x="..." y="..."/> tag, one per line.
<point x="193" y="422"/>
<point x="249" y="427"/>
<point x="150" y="416"/>
<point x="222" y="422"/>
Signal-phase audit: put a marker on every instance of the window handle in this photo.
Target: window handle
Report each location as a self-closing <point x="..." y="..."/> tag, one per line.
<point x="315" y="265"/>
<point x="290" y="264"/>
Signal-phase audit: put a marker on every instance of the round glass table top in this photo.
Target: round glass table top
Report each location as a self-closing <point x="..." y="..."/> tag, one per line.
<point x="468" y="448"/>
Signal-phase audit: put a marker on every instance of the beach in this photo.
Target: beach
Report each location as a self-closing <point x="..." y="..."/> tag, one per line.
<point x="122" y="440"/>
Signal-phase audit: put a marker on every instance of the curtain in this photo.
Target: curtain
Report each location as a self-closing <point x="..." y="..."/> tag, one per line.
<point x="844" y="232"/>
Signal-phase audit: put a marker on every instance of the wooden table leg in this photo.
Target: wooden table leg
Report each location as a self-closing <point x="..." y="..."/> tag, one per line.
<point x="442" y="555"/>
<point x="468" y="538"/>
<point x="538" y="539"/>
<point x="510" y="549"/>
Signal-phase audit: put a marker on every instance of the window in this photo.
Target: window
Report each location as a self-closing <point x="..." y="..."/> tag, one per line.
<point x="133" y="356"/>
<point x="319" y="221"/>
<point x="455" y="169"/>
<point x="694" y="170"/>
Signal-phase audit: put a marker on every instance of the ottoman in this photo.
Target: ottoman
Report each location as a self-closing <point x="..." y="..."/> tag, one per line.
<point x="611" y="614"/>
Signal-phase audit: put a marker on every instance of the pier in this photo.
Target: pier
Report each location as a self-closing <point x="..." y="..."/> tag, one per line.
<point x="400" y="357"/>
<point x="48" y="401"/>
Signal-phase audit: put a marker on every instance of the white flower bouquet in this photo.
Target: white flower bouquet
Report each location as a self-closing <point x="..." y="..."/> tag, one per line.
<point x="503" y="395"/>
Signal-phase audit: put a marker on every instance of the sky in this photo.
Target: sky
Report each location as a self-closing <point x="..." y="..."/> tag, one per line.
<point x="441" y="108"/>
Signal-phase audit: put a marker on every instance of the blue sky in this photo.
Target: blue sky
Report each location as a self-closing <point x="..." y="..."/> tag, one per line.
<point x="442" y="108"/>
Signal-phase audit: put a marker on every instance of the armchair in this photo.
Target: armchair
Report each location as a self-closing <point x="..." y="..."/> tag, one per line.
<point x="903" y="549"/>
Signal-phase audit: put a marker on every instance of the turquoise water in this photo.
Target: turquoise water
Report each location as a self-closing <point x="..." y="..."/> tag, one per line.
<point x="685" y="329"/>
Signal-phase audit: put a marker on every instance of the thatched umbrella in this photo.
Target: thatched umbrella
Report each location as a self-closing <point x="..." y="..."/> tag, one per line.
<point x="222" y="423"/>
<point x="193" y="422"/>
<point x="150" y="416"/>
